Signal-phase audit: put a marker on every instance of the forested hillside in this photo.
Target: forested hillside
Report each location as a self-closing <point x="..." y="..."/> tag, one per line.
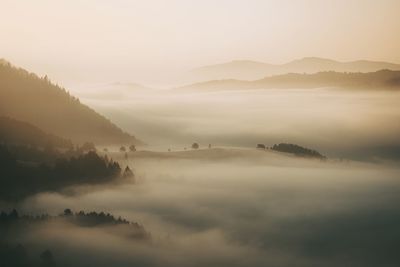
<point x="27" y="97"/>
<point x="21" y="133"/>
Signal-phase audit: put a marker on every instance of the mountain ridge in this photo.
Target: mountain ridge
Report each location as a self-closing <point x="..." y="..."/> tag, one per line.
<point x="382" y="79"/>
<point x="25" y="96"/>
<point x="252" y="70"/>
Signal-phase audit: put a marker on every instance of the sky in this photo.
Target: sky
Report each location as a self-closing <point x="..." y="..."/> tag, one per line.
<point x="87" y="41"/>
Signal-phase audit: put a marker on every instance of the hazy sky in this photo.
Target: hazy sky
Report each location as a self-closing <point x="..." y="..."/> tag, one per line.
<point x="78" y="41"/>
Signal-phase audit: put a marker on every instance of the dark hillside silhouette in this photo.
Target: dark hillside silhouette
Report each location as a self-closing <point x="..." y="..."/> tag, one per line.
<point x="81" y="219"/>
<point x="22" y="175"/>
<point x="13" y="225"/>
<point x="22" y="133"/>
<point x="27" y="97"/>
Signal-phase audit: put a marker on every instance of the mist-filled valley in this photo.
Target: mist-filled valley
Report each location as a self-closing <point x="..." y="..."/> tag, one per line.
<point x="349" y="124"/>
<point x="233" y="204"/>
<point x="225" y="177"/>
<point x="248" y="177"/>
<point x="199" y="133"/>
<point x="251" y="208"/>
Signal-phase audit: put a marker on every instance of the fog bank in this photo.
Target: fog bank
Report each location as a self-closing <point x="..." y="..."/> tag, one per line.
<point x="237" y="211"/>
<point x="349" y="124"/>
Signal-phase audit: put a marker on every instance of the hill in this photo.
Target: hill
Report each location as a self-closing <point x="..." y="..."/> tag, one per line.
<point x="26" y="171"/>
<point x="386" y="79"/>
<point x="253" y="70"/>
<point x="21" y="133"/>
<point x="38" y="101"/>
<point x="14" y="228"/>
<point x="297" y="150"/>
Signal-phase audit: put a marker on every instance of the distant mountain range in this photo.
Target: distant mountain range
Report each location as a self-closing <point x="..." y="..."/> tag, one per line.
<point x="26" y="97"/>
<point x="383" y="79"/>
<point x="253" y="70"/>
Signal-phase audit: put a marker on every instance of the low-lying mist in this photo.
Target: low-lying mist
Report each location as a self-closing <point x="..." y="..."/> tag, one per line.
<point x="232" y="204"/>
<point x="259" y="208"/>
<point x="352" y="124"/>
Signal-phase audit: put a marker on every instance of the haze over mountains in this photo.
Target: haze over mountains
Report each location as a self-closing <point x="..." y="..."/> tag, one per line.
<point x="253" y="70"/>
<point x="25" y="96"/>
<point x="382" y="79"/>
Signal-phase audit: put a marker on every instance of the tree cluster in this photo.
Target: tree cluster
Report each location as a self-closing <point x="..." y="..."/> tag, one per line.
<point x="297" y="150"/>
<point x="81" y="219"/>
<point x="21" y="177"/>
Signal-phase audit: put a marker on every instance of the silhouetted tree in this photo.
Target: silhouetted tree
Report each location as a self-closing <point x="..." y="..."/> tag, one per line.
<point x="122" y="149"/>
<point x="132" y="148"/>
<point x="195" y="146"/>
<point x="67" y="212"/>
<point x="260" y="146"/>
<point x="127" y="173"/>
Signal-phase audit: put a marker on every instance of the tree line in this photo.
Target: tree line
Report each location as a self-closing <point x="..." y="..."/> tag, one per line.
<point x="27" y="170"/>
